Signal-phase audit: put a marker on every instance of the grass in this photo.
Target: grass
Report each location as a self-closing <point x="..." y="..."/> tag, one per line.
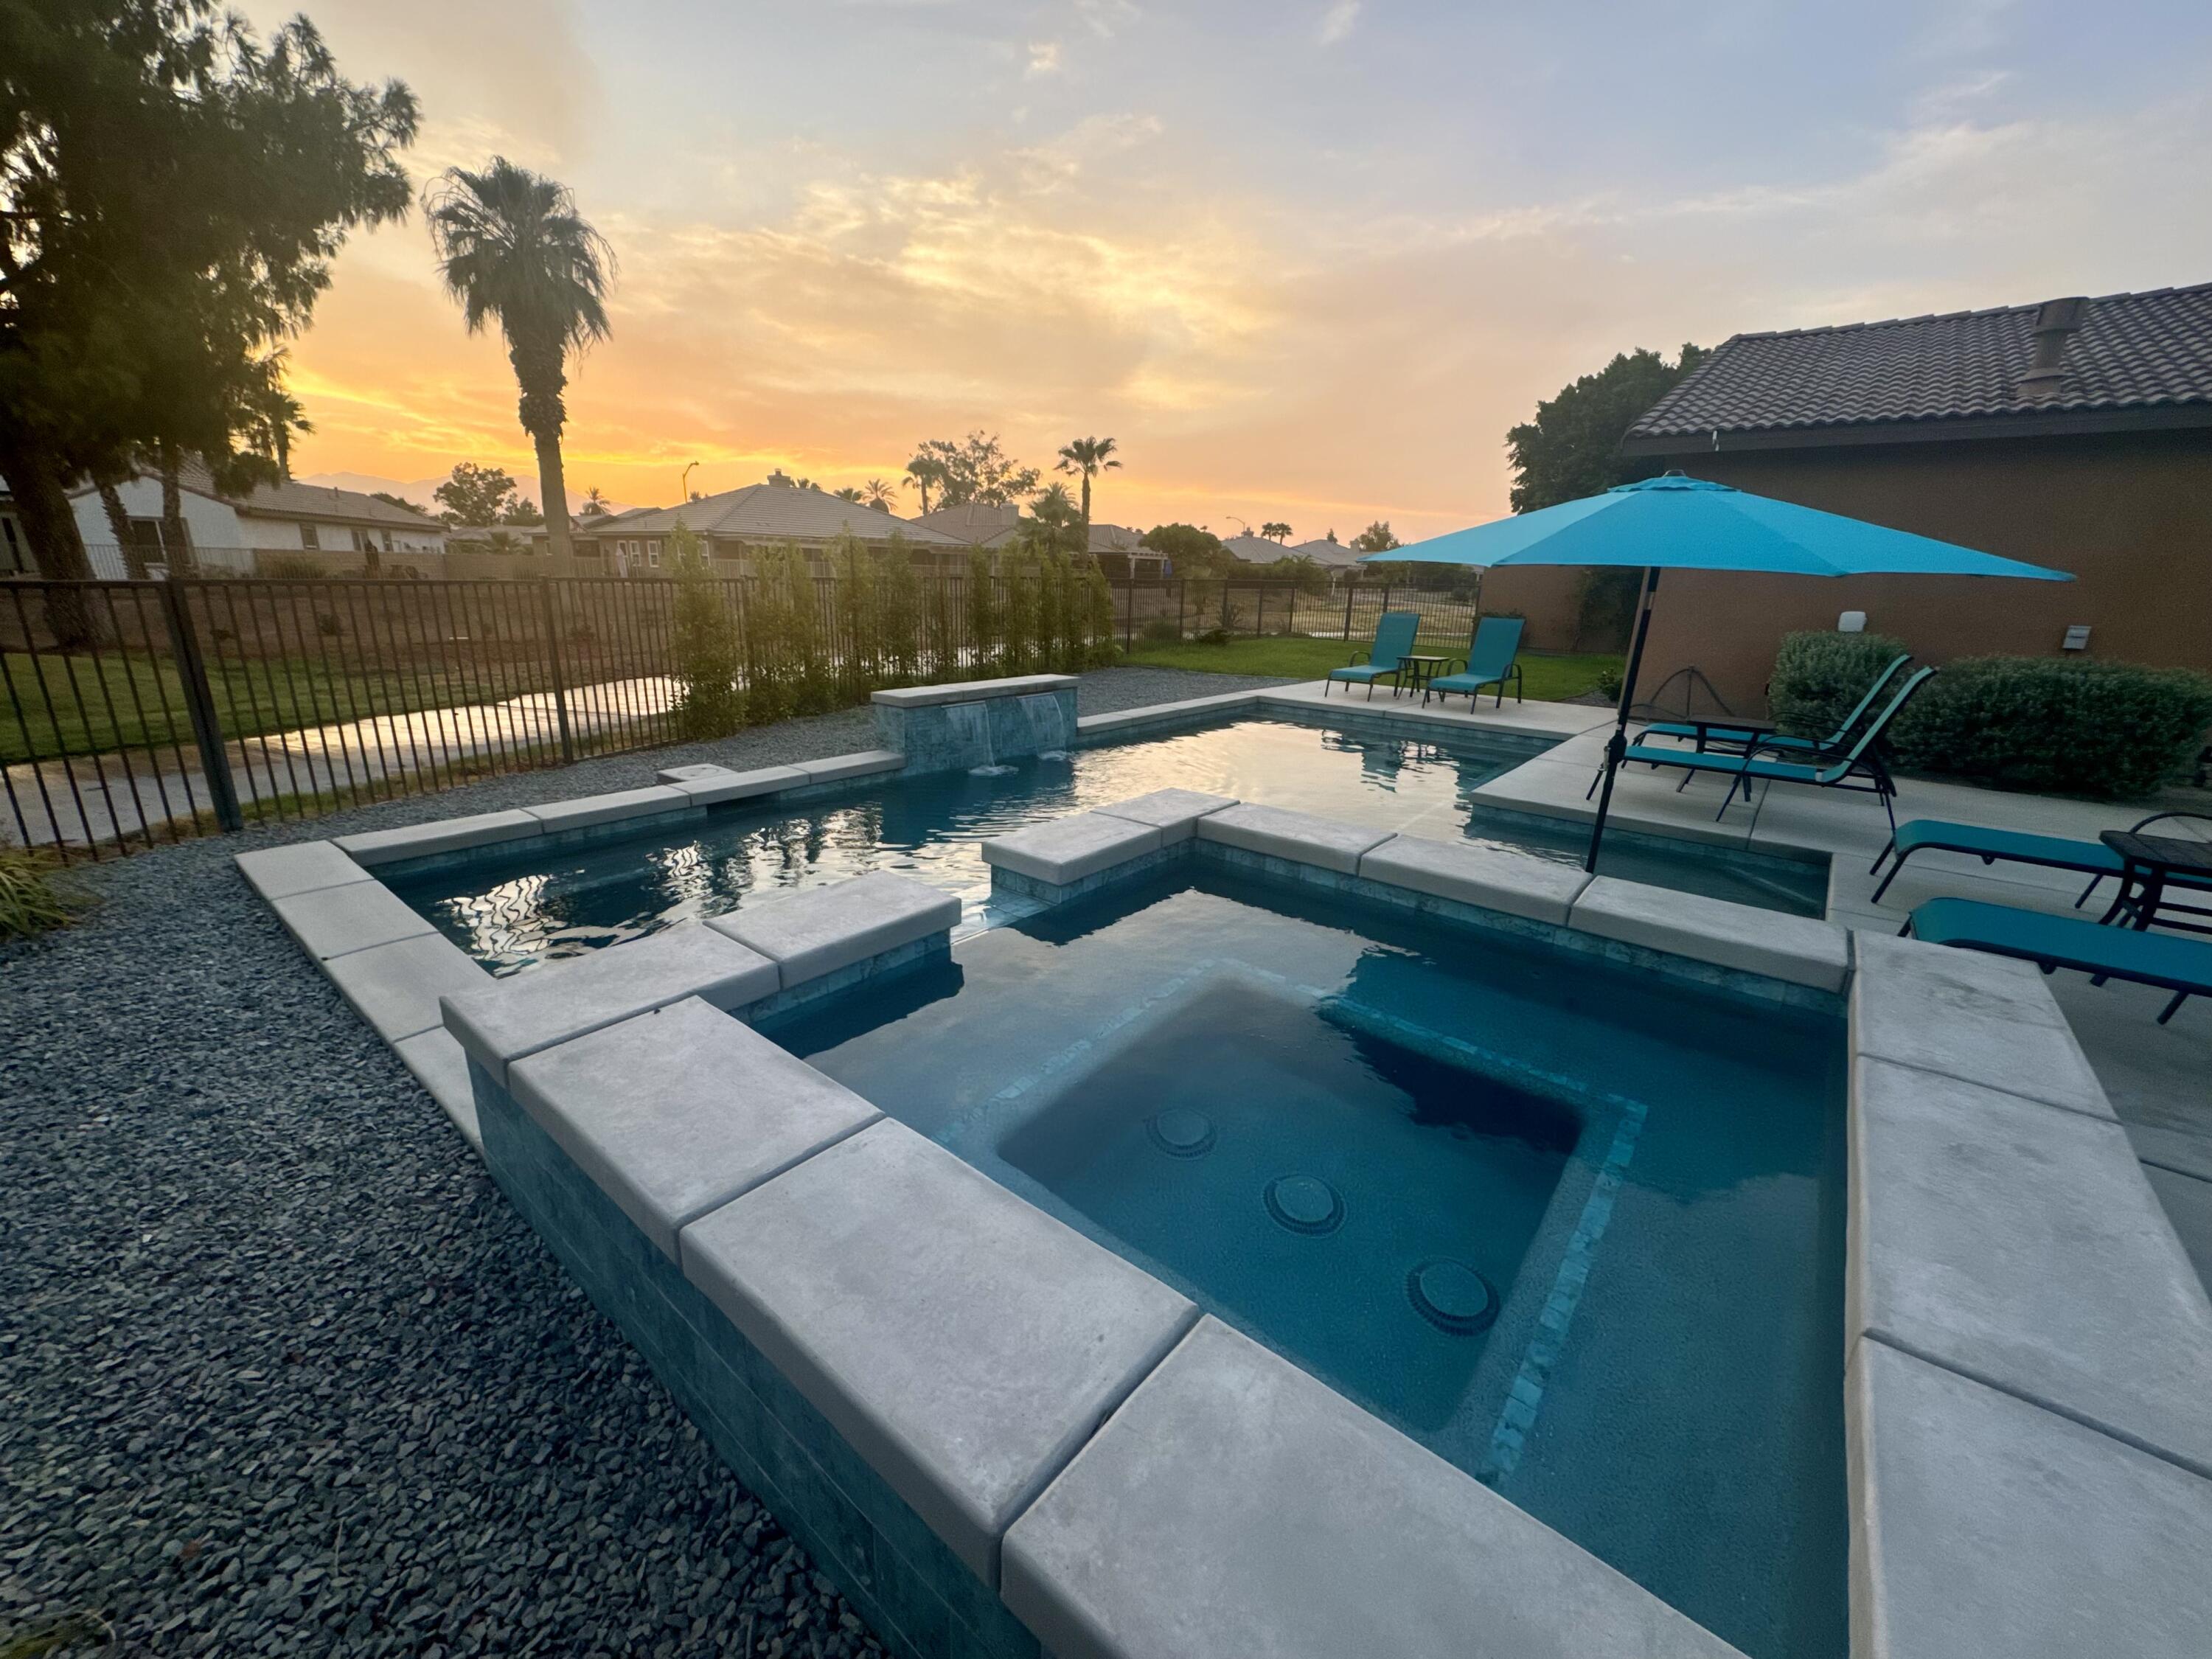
<point x="82" y="705"/>
<point x="1547" y="679"/>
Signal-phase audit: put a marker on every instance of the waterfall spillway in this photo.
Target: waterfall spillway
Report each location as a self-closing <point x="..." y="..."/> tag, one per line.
<point x="1046" y="720"/>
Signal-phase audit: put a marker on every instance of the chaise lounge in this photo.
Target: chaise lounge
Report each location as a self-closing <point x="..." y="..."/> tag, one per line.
<point x="1393" y="642"/>
<point x="1491" y="650"/>
<point x="2183" y="966"/>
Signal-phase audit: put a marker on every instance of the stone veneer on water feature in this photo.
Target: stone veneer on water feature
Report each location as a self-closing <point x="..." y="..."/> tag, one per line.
<point x="977" y="723"/>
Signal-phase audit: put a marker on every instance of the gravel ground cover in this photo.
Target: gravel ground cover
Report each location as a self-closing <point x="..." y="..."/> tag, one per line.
<point x="280" y="1371"/>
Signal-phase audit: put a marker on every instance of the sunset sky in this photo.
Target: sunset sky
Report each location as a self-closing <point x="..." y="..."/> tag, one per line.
<point x="1305" y="262"/>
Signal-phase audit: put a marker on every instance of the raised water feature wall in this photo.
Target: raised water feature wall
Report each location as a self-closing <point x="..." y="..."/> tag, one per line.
<point x="977" y="723"/>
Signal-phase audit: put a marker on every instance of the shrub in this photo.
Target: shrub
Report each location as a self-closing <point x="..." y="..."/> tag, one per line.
<point x="1819" y="677"/>
<point x="31" y="902"/>
<point x="292" y="567"/>
<point x="1160" y="631"/>
<point x="707" y="659"/>
<point x="2058" y="726"/>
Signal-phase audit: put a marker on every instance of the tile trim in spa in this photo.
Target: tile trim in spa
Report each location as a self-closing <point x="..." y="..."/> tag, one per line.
<point x="1992" y="1556"/>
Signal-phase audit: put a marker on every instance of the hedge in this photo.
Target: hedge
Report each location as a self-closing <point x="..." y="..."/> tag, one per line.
<point x="2051" y="725"/>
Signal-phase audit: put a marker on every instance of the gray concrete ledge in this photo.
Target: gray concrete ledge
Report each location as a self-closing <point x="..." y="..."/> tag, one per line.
<point x="2020" y="1244"/>
<point x="1515" y="884"/>
<point x="277" y="873"/>
<point x="584" y="811"/>
<point x="396" y="987"/>
<point x="1190" y="711"/>
<point x="819" y="930"/>
<point x="928" y="696"/>
<point x="1797" y="949"/>
<point x="1174" y="812"/>
<point x="1065" y="850"/>
<point x="420" y="841"/>
<point x="513" y="1019"/>
<point x="440" y="1064"/>
<point x="676" y="1113"/>
<point x="1299" y="837"/>
<point x="1986" y="1527"/>
<point x="1986" y="1019"/>
<point x="740" y="785"/>
<point x="866" y="762"/>
<point x="964" y="1342"/>
<point x="1235" y="1505"/>
<point x="329" y="921"/>
<point x="700" y="772"/>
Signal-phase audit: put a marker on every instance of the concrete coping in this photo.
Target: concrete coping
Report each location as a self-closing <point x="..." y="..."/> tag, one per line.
<point x="2019" y="1243"/>
<point x="333" y="922"/>
<point x="417" y="841"/>
<point x="1797" y="949"/>
<point x="1489" y="877"/>
<point x="699" y="772"/>
<point x="1983" y="1527"/>
<point x="673" y="1114"/>
<point x="559" y="1001"/>
<point x="1164" y="712"/>
<point x="584" y="810"/>
<point x="277" y="873"/>
<point x="724" y="784"/>
<point x="925" y="696"/>
<point x="1299" y="837"/>
<point x="866" y="763"/>
<point x="962" y="1341"/>
<point x="1983" y="1019"/>
<point x="1065" y="850"/>
<point x="821" y="929"/>
<point x="1174" y="812"/>
<point x="1235" y="1504"/>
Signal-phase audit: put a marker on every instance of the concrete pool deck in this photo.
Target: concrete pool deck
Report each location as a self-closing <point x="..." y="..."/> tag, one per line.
<point x="1897" y="1391"/>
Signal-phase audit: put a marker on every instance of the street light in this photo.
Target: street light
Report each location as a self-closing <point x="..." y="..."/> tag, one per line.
<point x="684" y="488"/>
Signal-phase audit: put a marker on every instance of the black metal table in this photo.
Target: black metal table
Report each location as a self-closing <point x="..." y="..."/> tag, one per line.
<point x="1414" y="674"/>
<point x="2148" y="866"/>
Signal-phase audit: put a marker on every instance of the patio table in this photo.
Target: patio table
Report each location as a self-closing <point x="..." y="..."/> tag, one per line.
<point x="1414" y="674"/>
<point x="2149" y="864"/>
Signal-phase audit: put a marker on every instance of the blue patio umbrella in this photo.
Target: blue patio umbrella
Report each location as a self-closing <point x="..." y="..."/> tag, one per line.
<point x="1677" y="523"/>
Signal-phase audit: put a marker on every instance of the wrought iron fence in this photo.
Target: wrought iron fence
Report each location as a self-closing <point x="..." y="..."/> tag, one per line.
<point x="134" y="714"/>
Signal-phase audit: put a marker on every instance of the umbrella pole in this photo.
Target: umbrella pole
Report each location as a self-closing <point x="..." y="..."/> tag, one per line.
<point x="1617" y="746"/>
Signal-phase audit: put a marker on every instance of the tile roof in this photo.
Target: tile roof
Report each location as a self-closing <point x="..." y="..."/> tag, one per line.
<point x="1254" y="550"/>
<point x="2131" y="351"/>
<point x="772" y="512"/>
<point x="293" y="500"/>
<point x="1332" y="555"/>
<point x="1117" y="538"/>
<point x="975" y="523"/>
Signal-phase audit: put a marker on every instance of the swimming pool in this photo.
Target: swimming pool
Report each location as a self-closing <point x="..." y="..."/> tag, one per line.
<point x="1577" y="1228"/>
<point x="540" y="904"/>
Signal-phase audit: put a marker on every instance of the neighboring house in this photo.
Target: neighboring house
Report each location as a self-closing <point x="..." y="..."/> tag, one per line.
<point x="1329" y="556"/>
<point x="738" y="522"/>
<point x="1121" y="553"/>
<point x="227" y="530"/>
<point x="15" y="549"/>
<point x="2074" y="433"/>
<point x="975" y="523"/>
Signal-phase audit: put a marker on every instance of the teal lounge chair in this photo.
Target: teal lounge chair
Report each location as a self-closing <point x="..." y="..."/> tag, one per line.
<point x="1394" y="639"/>
<point x="2091" y="857"/>
<point x="2183" y="966"/>
<point x="1490" y="652"/>
<point x="1736" y="735"/>
<point x="1861" y="768"/>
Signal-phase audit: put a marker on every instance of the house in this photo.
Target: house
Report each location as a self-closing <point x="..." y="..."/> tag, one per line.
<point x="229" y="532"/>
<point x="15" y="547"/>
<point x="1118" y="549"/>
<point x="738" y="522"/>
<point x="2075" y="433"/>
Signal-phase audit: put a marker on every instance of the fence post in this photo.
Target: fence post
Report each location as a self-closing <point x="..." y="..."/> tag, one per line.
<point x="1183" y="586"/>
<point x="1259" y="614"/>
<point x="199" y="704"/>
<point x="1129" y="614"/>
<point x="1350" y="588"/>
<point x="553" y="662"/>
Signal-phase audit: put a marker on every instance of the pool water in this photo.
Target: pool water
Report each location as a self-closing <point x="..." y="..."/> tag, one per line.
<point x="535" y="906"/>
<point x="1576" y="1228"/>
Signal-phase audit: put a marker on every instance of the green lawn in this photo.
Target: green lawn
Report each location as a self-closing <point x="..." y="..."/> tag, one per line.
<point x="1547" y="679"/>
<point x="50" y="704"/>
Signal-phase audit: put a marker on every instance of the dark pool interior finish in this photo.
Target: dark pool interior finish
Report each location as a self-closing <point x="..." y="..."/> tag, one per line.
<point x="1577" y="1229"/>
<point x="535" y="906"/>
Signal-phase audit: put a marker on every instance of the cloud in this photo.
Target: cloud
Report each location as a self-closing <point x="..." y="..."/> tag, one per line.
<point x="1106" y="18"/>
<point x="1337" y="22"/>
<point x="1044" y="59"/>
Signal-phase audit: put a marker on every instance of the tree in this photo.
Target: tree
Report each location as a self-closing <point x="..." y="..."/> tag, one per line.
<point x="522" y="511"/>
<point x="1573" y="448"/>
<point x="389" y="499"/>
<point x="877" y="493"/>
<point x="595" y="504"/>
<point x="1054" y="523"/>
<point x="1376" y="538"/>
<point x="709" y="659"/>
<point x="1275" y="531"/>
<point x="1086" y="457"/>
<point x="172" y="191"/>
<point x="1189" y="550"/>
<point x="975" y="469"/>
<point x="925" y="472"/>
<point x="849" y="492"/>
<point x="1331" y="536"/>
<point x="477" y="497"/>
<point x="511" y="246"/>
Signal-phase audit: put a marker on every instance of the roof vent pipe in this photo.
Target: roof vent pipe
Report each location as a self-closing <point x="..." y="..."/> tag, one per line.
<point x="2057" y="321"/>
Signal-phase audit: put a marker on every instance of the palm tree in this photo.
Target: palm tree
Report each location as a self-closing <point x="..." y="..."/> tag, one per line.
<point x="1276" y="531"/>
<point x="876" y="493"/>
<point x="595" y="503"/>
<point x="1086" y="456"/>
<point x="849" y="492"/>
<point x="511" y="246"/>
<point x="926" y="472"/>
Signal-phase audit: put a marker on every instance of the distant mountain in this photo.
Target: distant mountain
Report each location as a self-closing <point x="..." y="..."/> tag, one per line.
<point x="423" y="491"/>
